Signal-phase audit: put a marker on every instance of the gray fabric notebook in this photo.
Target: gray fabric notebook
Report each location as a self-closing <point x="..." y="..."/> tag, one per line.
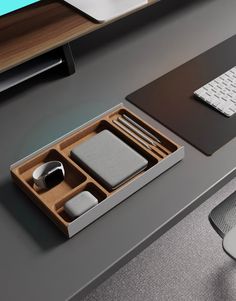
<point x="109" y="159"/>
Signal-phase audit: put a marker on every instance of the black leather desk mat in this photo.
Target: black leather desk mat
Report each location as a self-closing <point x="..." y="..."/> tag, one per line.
<point x="170" y="99"/>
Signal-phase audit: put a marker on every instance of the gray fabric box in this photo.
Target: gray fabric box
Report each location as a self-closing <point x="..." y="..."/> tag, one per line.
<point x="109" y="159"/>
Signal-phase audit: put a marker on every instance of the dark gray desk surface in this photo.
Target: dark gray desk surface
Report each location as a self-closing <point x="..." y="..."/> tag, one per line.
<point x="36" y="262"/>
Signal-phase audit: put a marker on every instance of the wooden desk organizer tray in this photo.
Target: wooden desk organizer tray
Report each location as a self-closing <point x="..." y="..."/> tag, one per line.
<point x="78" y="179"/>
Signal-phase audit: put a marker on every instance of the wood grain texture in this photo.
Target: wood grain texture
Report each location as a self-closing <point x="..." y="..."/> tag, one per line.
<point x="39" y="28"/>
<point x="78" y="178"/>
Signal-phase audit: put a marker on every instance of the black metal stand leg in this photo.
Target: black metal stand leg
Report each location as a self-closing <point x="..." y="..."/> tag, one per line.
<point x="61" y="57"/>
<point x="69" y="59"/>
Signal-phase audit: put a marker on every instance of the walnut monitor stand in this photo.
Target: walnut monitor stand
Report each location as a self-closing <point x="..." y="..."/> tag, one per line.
<point x="39" y="29"/>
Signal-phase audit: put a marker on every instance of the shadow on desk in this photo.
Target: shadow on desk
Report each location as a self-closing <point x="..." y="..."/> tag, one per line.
<point x="222" y="282"/>
<point x="109" y="34"/>
<point x="40" y="228"/>
<point x="32" y="84"/>
<point x="127" y="26"/>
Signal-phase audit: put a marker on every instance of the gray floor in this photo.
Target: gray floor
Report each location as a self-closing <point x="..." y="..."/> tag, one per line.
<point x="186" y="263"/>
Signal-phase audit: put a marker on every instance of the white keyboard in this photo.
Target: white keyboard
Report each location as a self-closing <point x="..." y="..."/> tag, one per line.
<point x="220" y="93"/>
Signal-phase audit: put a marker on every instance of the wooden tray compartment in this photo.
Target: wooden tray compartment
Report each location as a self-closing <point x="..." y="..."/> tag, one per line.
<point x="73" y="177"/>
<point x="78" y="179"/>
<point x="162" y="149"/>
<point x="105" y="123"/>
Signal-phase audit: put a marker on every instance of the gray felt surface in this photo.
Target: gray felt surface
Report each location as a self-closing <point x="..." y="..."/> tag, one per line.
<point x="186" y="263"/>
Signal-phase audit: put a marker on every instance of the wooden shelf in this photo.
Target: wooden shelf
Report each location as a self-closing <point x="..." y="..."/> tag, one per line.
<point x="37" y="29"/>
<point x="40" y="28"/>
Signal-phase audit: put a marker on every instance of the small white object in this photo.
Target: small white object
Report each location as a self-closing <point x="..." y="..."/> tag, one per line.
<point x="80" y="203"/>
<point x="105" y="10"/>
<point x="221" y="93"/>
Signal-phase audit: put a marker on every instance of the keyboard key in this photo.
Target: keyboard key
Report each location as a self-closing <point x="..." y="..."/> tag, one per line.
<point x="220" y="93"/>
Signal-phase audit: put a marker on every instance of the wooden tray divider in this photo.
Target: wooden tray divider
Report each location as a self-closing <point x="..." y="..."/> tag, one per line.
<point x="77" y="178"/>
